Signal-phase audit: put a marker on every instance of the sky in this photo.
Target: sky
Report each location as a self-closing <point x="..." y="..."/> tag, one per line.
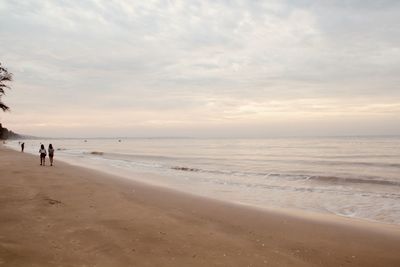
<point x="217" y="68"/>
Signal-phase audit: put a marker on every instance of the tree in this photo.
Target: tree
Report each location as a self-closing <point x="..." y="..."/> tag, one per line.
<point x="5" y="76"/>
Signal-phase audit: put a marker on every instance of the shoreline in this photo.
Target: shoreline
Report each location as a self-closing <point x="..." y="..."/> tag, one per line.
<point x="70" y="216"/>
<point x="126" y="175"/>
<point x="331" y="204"/>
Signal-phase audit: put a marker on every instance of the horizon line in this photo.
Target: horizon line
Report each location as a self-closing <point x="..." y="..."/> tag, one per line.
<point x="219" y="137"/>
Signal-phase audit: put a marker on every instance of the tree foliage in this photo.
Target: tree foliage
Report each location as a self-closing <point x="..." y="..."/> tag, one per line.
<point x="5" y="76"/>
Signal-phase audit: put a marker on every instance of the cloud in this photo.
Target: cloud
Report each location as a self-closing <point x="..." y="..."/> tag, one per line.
<point x="219" y="60"/>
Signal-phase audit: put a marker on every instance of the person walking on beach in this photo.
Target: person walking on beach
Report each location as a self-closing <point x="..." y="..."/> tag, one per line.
<point x="22" y="147"/>
<point x="42" y="153"/>
<point x="51" y="154"/>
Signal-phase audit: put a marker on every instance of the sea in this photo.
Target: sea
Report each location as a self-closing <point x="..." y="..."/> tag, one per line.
<point x="355" y="177"/>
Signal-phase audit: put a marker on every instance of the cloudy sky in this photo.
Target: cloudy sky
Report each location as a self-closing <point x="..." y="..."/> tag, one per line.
<point x="202" y="68"/>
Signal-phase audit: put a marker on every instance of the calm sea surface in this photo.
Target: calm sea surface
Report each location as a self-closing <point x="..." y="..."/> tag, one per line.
<point x="349" y="176"/>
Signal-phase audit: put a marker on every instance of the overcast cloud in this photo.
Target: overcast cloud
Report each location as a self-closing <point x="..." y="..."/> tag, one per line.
<point x="202" y="68"/>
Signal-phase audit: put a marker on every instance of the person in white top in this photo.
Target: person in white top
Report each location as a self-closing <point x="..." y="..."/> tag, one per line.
<point x="43" y="154"/>
<point x="51" y="154"/>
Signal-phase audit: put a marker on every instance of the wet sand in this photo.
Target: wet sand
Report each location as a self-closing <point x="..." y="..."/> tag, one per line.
<point x="71" y="216"/>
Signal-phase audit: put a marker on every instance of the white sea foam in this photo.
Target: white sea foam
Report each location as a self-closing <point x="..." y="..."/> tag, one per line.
<point x="354" y="177"/>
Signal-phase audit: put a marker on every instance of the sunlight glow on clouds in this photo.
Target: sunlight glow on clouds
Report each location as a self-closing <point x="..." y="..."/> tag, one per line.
<point x="201" y="68"/>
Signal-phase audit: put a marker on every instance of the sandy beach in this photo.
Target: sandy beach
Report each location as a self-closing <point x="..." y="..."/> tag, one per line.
<point x="72" y="216"/>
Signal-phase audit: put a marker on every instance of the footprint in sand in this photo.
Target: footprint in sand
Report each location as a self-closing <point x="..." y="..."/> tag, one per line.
<point x="53" y="201"/>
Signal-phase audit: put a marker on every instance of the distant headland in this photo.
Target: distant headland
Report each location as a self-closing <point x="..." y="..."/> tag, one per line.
<point x="8" y="134"/>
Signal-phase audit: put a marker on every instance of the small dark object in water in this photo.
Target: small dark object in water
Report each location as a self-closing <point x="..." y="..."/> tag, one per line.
<point x="185" y="169"/>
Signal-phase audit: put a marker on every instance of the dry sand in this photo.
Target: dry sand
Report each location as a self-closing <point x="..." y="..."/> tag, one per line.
<point x="71" y="216"/>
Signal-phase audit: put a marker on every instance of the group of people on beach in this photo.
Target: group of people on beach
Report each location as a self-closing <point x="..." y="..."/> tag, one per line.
<point x="43" y="154"/>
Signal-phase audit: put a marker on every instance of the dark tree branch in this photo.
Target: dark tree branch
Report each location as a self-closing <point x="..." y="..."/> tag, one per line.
<point x="4" y="107"/>
<point x="5" y="76"/>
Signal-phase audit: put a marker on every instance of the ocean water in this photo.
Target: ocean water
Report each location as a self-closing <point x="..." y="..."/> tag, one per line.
<point x="348" y="176"/>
